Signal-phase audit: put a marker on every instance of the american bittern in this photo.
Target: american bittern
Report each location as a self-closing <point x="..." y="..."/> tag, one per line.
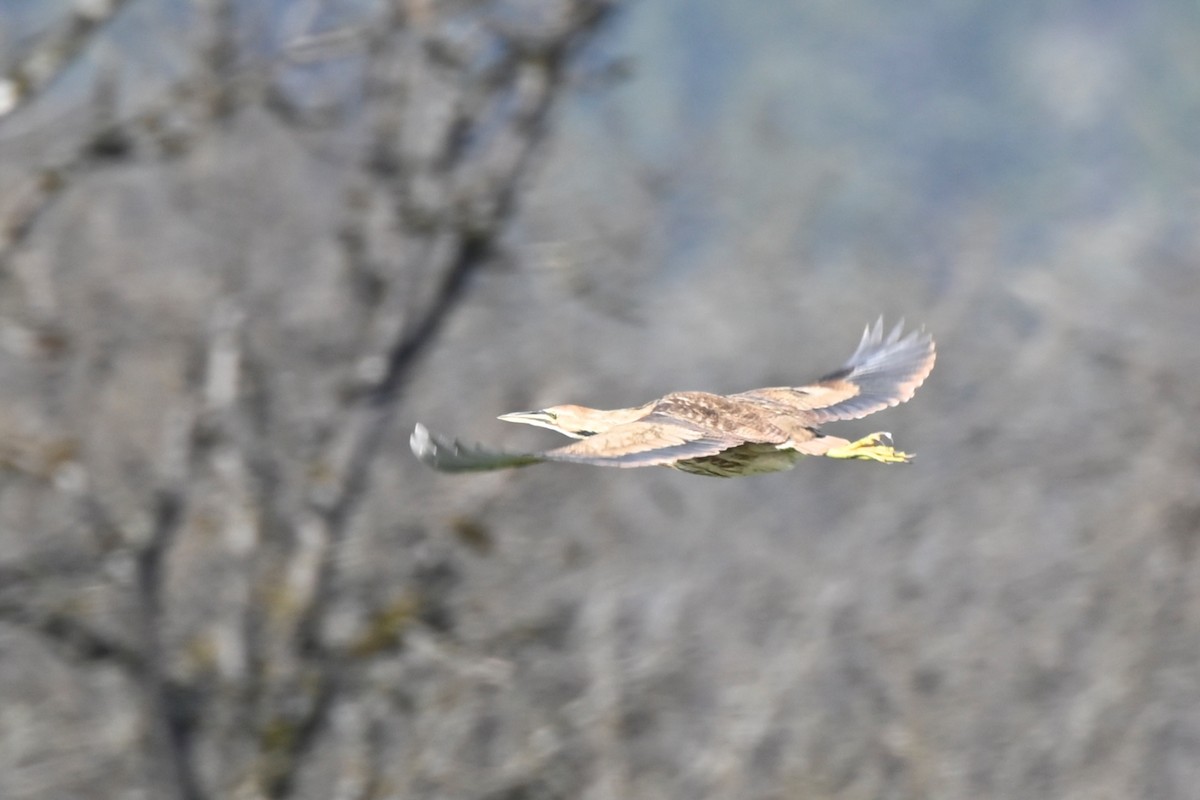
<point x="759" y="431"/>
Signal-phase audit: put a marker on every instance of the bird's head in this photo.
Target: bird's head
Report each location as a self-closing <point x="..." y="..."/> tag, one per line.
<point x="574" y="421"/>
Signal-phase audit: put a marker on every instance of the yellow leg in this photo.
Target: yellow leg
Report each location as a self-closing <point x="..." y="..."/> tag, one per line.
<point x="876" y="447"/>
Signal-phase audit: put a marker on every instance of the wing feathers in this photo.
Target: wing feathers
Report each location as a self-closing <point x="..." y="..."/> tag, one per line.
<point x="647" y="442"/>
<point x="448" y="455"/>
<point x="654" y="439"/>
<point x="881" y="373"/>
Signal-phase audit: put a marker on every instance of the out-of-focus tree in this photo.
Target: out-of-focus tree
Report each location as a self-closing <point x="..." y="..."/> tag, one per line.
<point x="217" y="278"/>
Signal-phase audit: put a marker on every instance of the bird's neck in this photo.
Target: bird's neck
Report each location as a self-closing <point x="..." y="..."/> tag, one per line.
<point x="605" y="420"/>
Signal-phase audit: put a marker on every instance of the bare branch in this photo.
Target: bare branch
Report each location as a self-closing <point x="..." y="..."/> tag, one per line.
<point x="55" y="52"/>
<point x="74" y="639"/>
<point x="449" y="195"/>
<point x="535" y="79"/>
<point x="172" y="721"/>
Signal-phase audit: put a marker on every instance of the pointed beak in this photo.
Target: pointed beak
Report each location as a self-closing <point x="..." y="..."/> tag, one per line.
<point x="544" y="419"/>
<point x="540" y="418"/>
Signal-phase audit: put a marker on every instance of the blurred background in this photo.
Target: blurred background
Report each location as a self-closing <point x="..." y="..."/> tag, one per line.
<point x="246" y="246"/>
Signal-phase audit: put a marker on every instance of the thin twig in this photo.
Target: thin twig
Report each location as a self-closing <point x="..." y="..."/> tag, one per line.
<point x="172" y="720"/>
<point x="50" y="57"/>
<point x="74" y="639"/>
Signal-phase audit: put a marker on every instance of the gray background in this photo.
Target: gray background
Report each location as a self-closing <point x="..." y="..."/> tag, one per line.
<point x="245" y="247"/>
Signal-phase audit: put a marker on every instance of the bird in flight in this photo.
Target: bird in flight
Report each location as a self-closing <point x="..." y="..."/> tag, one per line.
<point x="751" y="433"/>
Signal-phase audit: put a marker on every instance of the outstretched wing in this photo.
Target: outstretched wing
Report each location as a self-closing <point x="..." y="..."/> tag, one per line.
<point x="654" y="439"/>
<point x="449" y="455"/>
<point x="651" y="441"/>
<point x="883" y="372"/>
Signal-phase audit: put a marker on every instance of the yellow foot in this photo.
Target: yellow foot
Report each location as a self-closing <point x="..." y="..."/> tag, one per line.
<point x="876" y="447"/>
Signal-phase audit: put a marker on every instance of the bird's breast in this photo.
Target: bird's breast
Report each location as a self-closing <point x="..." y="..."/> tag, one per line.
<point x="748" y="459"/>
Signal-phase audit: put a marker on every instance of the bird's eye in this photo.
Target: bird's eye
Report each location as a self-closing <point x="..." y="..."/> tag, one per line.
<point x="551" y="415"/>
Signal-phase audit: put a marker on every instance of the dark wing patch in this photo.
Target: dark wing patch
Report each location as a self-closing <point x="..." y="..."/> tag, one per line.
<point x="883" y="372"/>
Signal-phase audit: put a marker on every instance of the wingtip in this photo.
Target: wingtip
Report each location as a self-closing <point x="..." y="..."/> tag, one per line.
<point x="422" y="443"/>
<point x="873" y="334"/>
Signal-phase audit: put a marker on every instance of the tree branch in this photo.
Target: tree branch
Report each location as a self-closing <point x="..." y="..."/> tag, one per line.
<point x="54" y="53"/>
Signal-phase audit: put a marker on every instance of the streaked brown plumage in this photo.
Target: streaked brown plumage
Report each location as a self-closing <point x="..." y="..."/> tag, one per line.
<point x="754" y="432"/>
